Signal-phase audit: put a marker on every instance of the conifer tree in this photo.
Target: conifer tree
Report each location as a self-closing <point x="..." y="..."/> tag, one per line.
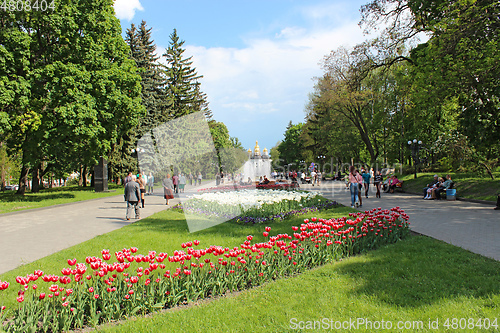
<point x="182" y="81"/>
<point x="154" y="97"/>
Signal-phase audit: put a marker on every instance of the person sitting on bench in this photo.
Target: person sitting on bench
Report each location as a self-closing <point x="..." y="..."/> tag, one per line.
<point x="447" y="184"/>
<point x="435" y="181"/>
<point x="393" y="182"/>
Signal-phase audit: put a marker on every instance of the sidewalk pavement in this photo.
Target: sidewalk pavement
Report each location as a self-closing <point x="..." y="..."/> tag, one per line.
<point x="33" y="234"/>
<point x="472" y="226"/>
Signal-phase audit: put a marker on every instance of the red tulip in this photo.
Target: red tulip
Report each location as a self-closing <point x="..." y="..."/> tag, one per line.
<point x="41" y="296"/>
<point x="249" y="237"/>
<point x="265" y="234"/>
<point x="196" y="242"/>
<point x="71" y="262"/>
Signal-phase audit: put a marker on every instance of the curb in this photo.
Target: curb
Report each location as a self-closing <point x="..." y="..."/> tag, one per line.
<point x="484" y="202"/>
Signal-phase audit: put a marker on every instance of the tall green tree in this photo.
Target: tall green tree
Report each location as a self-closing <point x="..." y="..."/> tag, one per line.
<point x="153" y="95"/>
<point x="182" y="81"/>
<point x="71" y="89"/>
<point x="455" y="73"/>
<point x="290" y="148"/>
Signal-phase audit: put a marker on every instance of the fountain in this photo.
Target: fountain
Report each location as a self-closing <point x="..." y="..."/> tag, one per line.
<point x="257" y="165"/>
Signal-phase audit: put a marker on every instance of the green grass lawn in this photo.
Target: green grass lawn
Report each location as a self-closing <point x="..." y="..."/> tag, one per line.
<point x="12" y="202"/>
<point x="413" y="280"/>
<point x="468" y="185"/>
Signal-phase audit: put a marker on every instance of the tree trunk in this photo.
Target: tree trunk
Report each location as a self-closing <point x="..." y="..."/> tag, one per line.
<point x="23" y="180"/>
<point x="35" y="187"/>
<point x="84" y="176"/>
<point x="80" y="181"/>
<point x="487" y="170"/>
<point x="92" y="184"/>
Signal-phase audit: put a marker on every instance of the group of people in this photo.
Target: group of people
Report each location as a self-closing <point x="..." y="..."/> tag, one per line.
<point x="357" y="180"/>
<point x="136" y="186"/>
<point x="315" y="177"/>
<point x="439" y="184"/>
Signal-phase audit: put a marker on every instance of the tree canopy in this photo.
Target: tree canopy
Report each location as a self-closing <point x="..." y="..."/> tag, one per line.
<point x="69" y="88"/>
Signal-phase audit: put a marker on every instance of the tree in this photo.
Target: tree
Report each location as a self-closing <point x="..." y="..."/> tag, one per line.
<point x="69" y="85"/>
<point x="182" y="81"/>
<point x="455" y="74"/>
<point x="153" y="95"/>
<point x="345" y="89"/>
<point x="291" y="146"/>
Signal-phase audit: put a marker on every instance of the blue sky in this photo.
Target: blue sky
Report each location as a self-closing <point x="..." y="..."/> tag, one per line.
<point x="258" y="58"/>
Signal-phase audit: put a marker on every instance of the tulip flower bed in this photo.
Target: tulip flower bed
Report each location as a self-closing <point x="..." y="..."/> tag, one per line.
<point x="98" y="290"/>
<point x="255" y="206"/>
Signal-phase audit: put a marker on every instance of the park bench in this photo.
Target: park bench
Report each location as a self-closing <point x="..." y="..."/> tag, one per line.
<point x="399" y="186"/>
<point x="450" y="193"/>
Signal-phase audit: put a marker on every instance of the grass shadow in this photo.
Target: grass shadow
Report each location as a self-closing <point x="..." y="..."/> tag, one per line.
<point x="409" y="275"/>
<point x="12" y="197"/>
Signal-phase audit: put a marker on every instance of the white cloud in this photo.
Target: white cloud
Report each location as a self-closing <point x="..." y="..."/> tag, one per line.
<point x="266" y="84"/>
<point x="271" y="70"/>
<point x="125" y="9"/>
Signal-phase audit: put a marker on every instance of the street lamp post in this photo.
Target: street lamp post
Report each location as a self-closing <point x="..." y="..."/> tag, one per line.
<point x="415" y="146"/>
<point x="321" y="158"/>
<point x="137" y="151"/>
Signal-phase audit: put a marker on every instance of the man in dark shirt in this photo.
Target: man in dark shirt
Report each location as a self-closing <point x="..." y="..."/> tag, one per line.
<point x="435" y="181"/>
<point x="132" y="197"/>
<point x="498" y="203"/>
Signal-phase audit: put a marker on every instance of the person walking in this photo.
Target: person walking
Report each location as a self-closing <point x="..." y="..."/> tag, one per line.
<point x="151" y="183"/>
<point x="168" y="188"/>
<point x="377" y="181"/>
<point x="132" y="196"/>
<point x="498" y="203"/>
<point x="175" y="181"/>
<point x="142" y="187"/>
<point x="355" y="181"/>
<point x="182" y="182"/>
<point x="127" y="179"/>
<point x="190" y="178"/>
<point x="366" y="181"/>
<point x="200" y="177"/>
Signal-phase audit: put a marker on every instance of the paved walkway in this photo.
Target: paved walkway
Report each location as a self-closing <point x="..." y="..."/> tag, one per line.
<point x="472" y="226"/>
<point x="33" y="234"/>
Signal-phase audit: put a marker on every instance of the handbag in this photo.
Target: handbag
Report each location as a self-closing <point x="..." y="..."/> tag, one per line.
<point x="360" y="186"/>
<point x="169" y="194"/>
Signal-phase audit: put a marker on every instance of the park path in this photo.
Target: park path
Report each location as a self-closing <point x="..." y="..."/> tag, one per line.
<point x="33" y="234"/>
<point x="471" y="226"/>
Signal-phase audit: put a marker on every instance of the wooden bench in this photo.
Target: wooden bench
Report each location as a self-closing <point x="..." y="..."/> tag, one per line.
<point x="399" y="186"/>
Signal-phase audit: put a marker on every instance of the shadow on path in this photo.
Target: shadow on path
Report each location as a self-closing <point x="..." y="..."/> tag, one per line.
<point x="409" y="275"/>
